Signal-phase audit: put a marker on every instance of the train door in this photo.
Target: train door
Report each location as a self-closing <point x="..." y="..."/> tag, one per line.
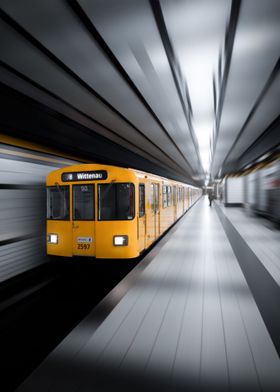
<point x="174" y="191"/>
<point x="141" y="218"/>
<point x="156" y="210"/>
<point x="150" y="229"/>
<point x="83" y="224"/>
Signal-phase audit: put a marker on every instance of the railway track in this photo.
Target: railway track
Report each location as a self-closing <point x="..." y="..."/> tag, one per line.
<point x="39" y="309"/>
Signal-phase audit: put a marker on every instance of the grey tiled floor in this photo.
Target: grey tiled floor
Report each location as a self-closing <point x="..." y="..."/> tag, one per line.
<point x="260" y="235"/>
<point x="189" y="321"/>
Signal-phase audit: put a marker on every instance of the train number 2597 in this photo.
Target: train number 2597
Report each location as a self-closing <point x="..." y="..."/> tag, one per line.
<point x="83" y="246"/>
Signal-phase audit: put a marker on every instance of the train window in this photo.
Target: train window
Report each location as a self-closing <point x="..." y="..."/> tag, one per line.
<point x="169" y="196"/>
<point x="58" y="203"/>
<point x="180" y="194"/>
<point x="156" y="193"/>
<point x="83" y="202"/>
<point x="154" y="197"/>
<point x="174" y="195"/>
<point x="141" y="200"/>
<point x="116" y="201"/>
<point x="164" y="195"/>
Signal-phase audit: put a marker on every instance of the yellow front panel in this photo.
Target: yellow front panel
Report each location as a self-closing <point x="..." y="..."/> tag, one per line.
<point x="64" y="231"/>
<point x="106" y="230"/>
<point x="83" y="238"/>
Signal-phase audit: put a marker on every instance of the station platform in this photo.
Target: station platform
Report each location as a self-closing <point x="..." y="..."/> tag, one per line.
<point x="199" y="312"/>
<point x="260" y="234"/>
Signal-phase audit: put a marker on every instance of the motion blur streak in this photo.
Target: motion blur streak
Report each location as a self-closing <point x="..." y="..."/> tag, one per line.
<point x="22" y="209"/>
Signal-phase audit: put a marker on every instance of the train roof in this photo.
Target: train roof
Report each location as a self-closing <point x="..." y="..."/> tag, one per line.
<point x="98" y="166"/>
<point x="141" y="174"/>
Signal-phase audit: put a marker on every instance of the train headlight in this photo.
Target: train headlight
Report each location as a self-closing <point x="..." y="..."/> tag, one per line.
<point x="52" y="238"/>
<point x="120" y="240"/>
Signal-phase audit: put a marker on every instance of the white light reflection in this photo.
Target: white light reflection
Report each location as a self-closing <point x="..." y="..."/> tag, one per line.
<point x="203" y="133"/>
<point x="198" y="67"/>
<point x="197" y="30"/>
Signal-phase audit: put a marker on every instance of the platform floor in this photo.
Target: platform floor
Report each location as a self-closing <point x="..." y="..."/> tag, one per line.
<point x="261" y="235"/>
<point x="188" y="320"/>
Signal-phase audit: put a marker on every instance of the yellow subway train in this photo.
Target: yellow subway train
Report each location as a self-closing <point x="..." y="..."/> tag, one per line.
<point x="107" y="211"/>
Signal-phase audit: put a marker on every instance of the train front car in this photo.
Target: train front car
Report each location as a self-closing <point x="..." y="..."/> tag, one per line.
<point x="91" y="212"/>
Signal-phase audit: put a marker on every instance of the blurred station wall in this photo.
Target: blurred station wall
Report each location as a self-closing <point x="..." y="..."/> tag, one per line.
<point x="23" y="206"/>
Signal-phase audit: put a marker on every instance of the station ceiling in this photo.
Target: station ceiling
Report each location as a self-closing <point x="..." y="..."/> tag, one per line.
<point x="187" y="87"/>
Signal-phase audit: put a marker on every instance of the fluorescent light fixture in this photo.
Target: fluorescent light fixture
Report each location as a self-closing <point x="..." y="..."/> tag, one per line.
<point x="262" y="158"/>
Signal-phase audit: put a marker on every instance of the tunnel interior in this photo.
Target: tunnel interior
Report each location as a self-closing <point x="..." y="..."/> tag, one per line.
<point x="185" y="90"/>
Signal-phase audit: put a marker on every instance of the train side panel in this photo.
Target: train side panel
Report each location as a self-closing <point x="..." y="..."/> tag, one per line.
<point x="163" y="207"/>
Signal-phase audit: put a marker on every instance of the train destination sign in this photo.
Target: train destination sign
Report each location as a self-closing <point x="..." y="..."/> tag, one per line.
<point x="84" y="176"/>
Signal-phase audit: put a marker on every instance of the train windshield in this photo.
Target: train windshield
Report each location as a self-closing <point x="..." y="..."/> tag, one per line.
<point x="116" y="201"/>
<point x="58" y="205"/>
<point x="83" y="202"/>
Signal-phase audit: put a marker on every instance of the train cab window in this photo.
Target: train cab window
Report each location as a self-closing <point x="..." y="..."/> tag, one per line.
<point x="83" y="202"/>
<point x="116" y="201"/>
<point x="58" y="205"/>
<point x="141" y="200"/>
